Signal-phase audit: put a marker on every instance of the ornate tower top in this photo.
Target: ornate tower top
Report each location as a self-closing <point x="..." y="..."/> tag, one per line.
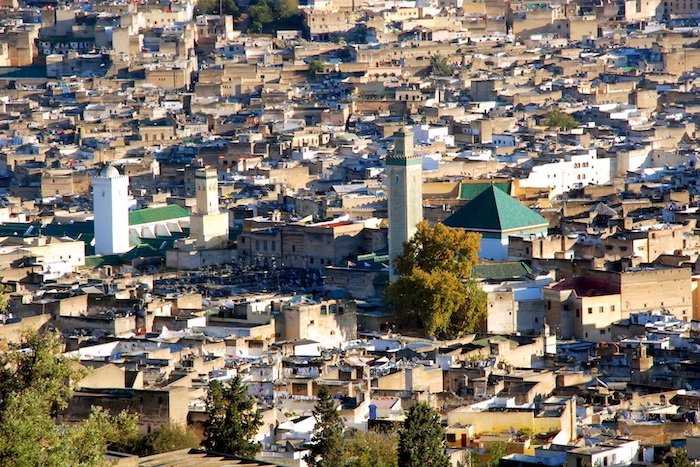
<point x="403" y="149"/>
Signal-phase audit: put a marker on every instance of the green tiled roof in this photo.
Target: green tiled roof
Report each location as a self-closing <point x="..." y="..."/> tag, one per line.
<point x="470" y="191"/>
<point x="148" y="215"/>
<point x="494" y="210"/>
<point x="97" y="261"/>
<point x="142" y="251"/>
<point x="501" y="270"/>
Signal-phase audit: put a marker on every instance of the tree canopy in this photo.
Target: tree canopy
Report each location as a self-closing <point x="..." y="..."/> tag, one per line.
<point x="270" y="15"/>
<point x="422" y="439"/>
<point x="233" y="420"/>
<point x="327" y="444"/>
<point x="35" y="380"/>
<point x="315" y="67"/>
<point x="211" y="7"/>
<point x="167" y="438"/>
<point x="679" y="458"/>
<point x="435" y="289"/>
<point x="439" y="65"/>
<point x="372" y="449"/>
<point x="559" y="119"/>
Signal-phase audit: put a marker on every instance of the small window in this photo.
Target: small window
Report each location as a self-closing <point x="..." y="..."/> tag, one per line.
<point x="612" y="307"/>
<point x="590" y="310"/>
<point x="333" y="309"/>
<point x="451" y="438"/>
<point x="324" y="309"/>
<point x="601" y="309"/>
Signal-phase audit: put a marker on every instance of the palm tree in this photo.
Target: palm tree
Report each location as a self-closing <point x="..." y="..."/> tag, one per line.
<point x="440" y="66"/>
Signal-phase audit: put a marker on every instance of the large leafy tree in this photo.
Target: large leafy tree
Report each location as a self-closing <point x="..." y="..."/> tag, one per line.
<point x="233" y="419"/>
<point x="372" y="449"/>
<point x="435" y="289"/>
<point x="422" y="439"/>
<point x="559" y="119"/>
<point x="269" y="15"/>
<point x="35" y="380"/>
<point x="327" y="444"/>
<point x="215" y="7"/>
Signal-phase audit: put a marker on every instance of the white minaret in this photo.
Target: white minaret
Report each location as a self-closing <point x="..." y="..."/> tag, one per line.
<point x="110" y="199"/>
<point x="404" y="170"/>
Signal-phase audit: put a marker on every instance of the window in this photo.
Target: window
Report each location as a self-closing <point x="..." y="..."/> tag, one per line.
<point x="612" y="307"/>
<point x="333" y="309"/>
<point x="324" y="309"/>
<point x="451" y="438"/>
<point x="590" y="310"/>
<point x="601" y="309"/>
<point x="602" y="332"/>
<point x="341" y="310"/>
<point x="549" y="304"/>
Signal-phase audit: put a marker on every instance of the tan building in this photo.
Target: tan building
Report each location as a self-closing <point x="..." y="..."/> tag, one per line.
<point x="582" y="308"/>
<point x="330" y="322"/>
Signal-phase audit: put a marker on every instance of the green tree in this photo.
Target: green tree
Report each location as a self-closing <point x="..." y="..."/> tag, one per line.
<point x="233" y="420"/>
<point x="372" y="449"/>
<point x="498" y="450"/>
<point x="35" y="380"/>
<point x="327" y="444"/>
<point x="558" y="119"/>
<point x="211" y="7"/>
<point x="435" y="289"/>
<point x="422" y="439"/>
<point x="167" y="438"/>
<point x="261" y="14"/>
<point x="287" y="8"/>
<point x="315" y="67"/>
<point x="439" y="65"/>
<point x="679" y="458"/>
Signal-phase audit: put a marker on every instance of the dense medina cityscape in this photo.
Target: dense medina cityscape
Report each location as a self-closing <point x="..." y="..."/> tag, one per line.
<point x="350" y="233"/>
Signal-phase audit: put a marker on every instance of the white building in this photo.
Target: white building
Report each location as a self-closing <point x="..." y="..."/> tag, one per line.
<point x="427" y="134"/>
<point x="404" y="170"/>
<point x="573" y="170"/>
<point x="110" y="194"/>
<point x="613" y="452"/>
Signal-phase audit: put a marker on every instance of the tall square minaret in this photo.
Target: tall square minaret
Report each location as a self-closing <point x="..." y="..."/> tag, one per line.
<point x="110" y="199"/>
<point x="208" y="226"/>
<point x="405" y="171"/>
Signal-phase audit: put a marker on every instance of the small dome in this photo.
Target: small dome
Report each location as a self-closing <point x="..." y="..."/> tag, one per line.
<point x="109" y="171"/>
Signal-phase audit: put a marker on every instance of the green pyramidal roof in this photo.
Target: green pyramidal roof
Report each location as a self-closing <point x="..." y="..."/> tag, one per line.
<point x="494" y="210"/>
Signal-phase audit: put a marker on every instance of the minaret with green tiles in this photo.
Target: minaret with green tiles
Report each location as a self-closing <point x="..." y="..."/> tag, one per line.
<point x="404" y="171"/>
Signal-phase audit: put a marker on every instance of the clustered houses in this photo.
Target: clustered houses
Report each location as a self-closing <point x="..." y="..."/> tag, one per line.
<point x="185" y="202"/>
